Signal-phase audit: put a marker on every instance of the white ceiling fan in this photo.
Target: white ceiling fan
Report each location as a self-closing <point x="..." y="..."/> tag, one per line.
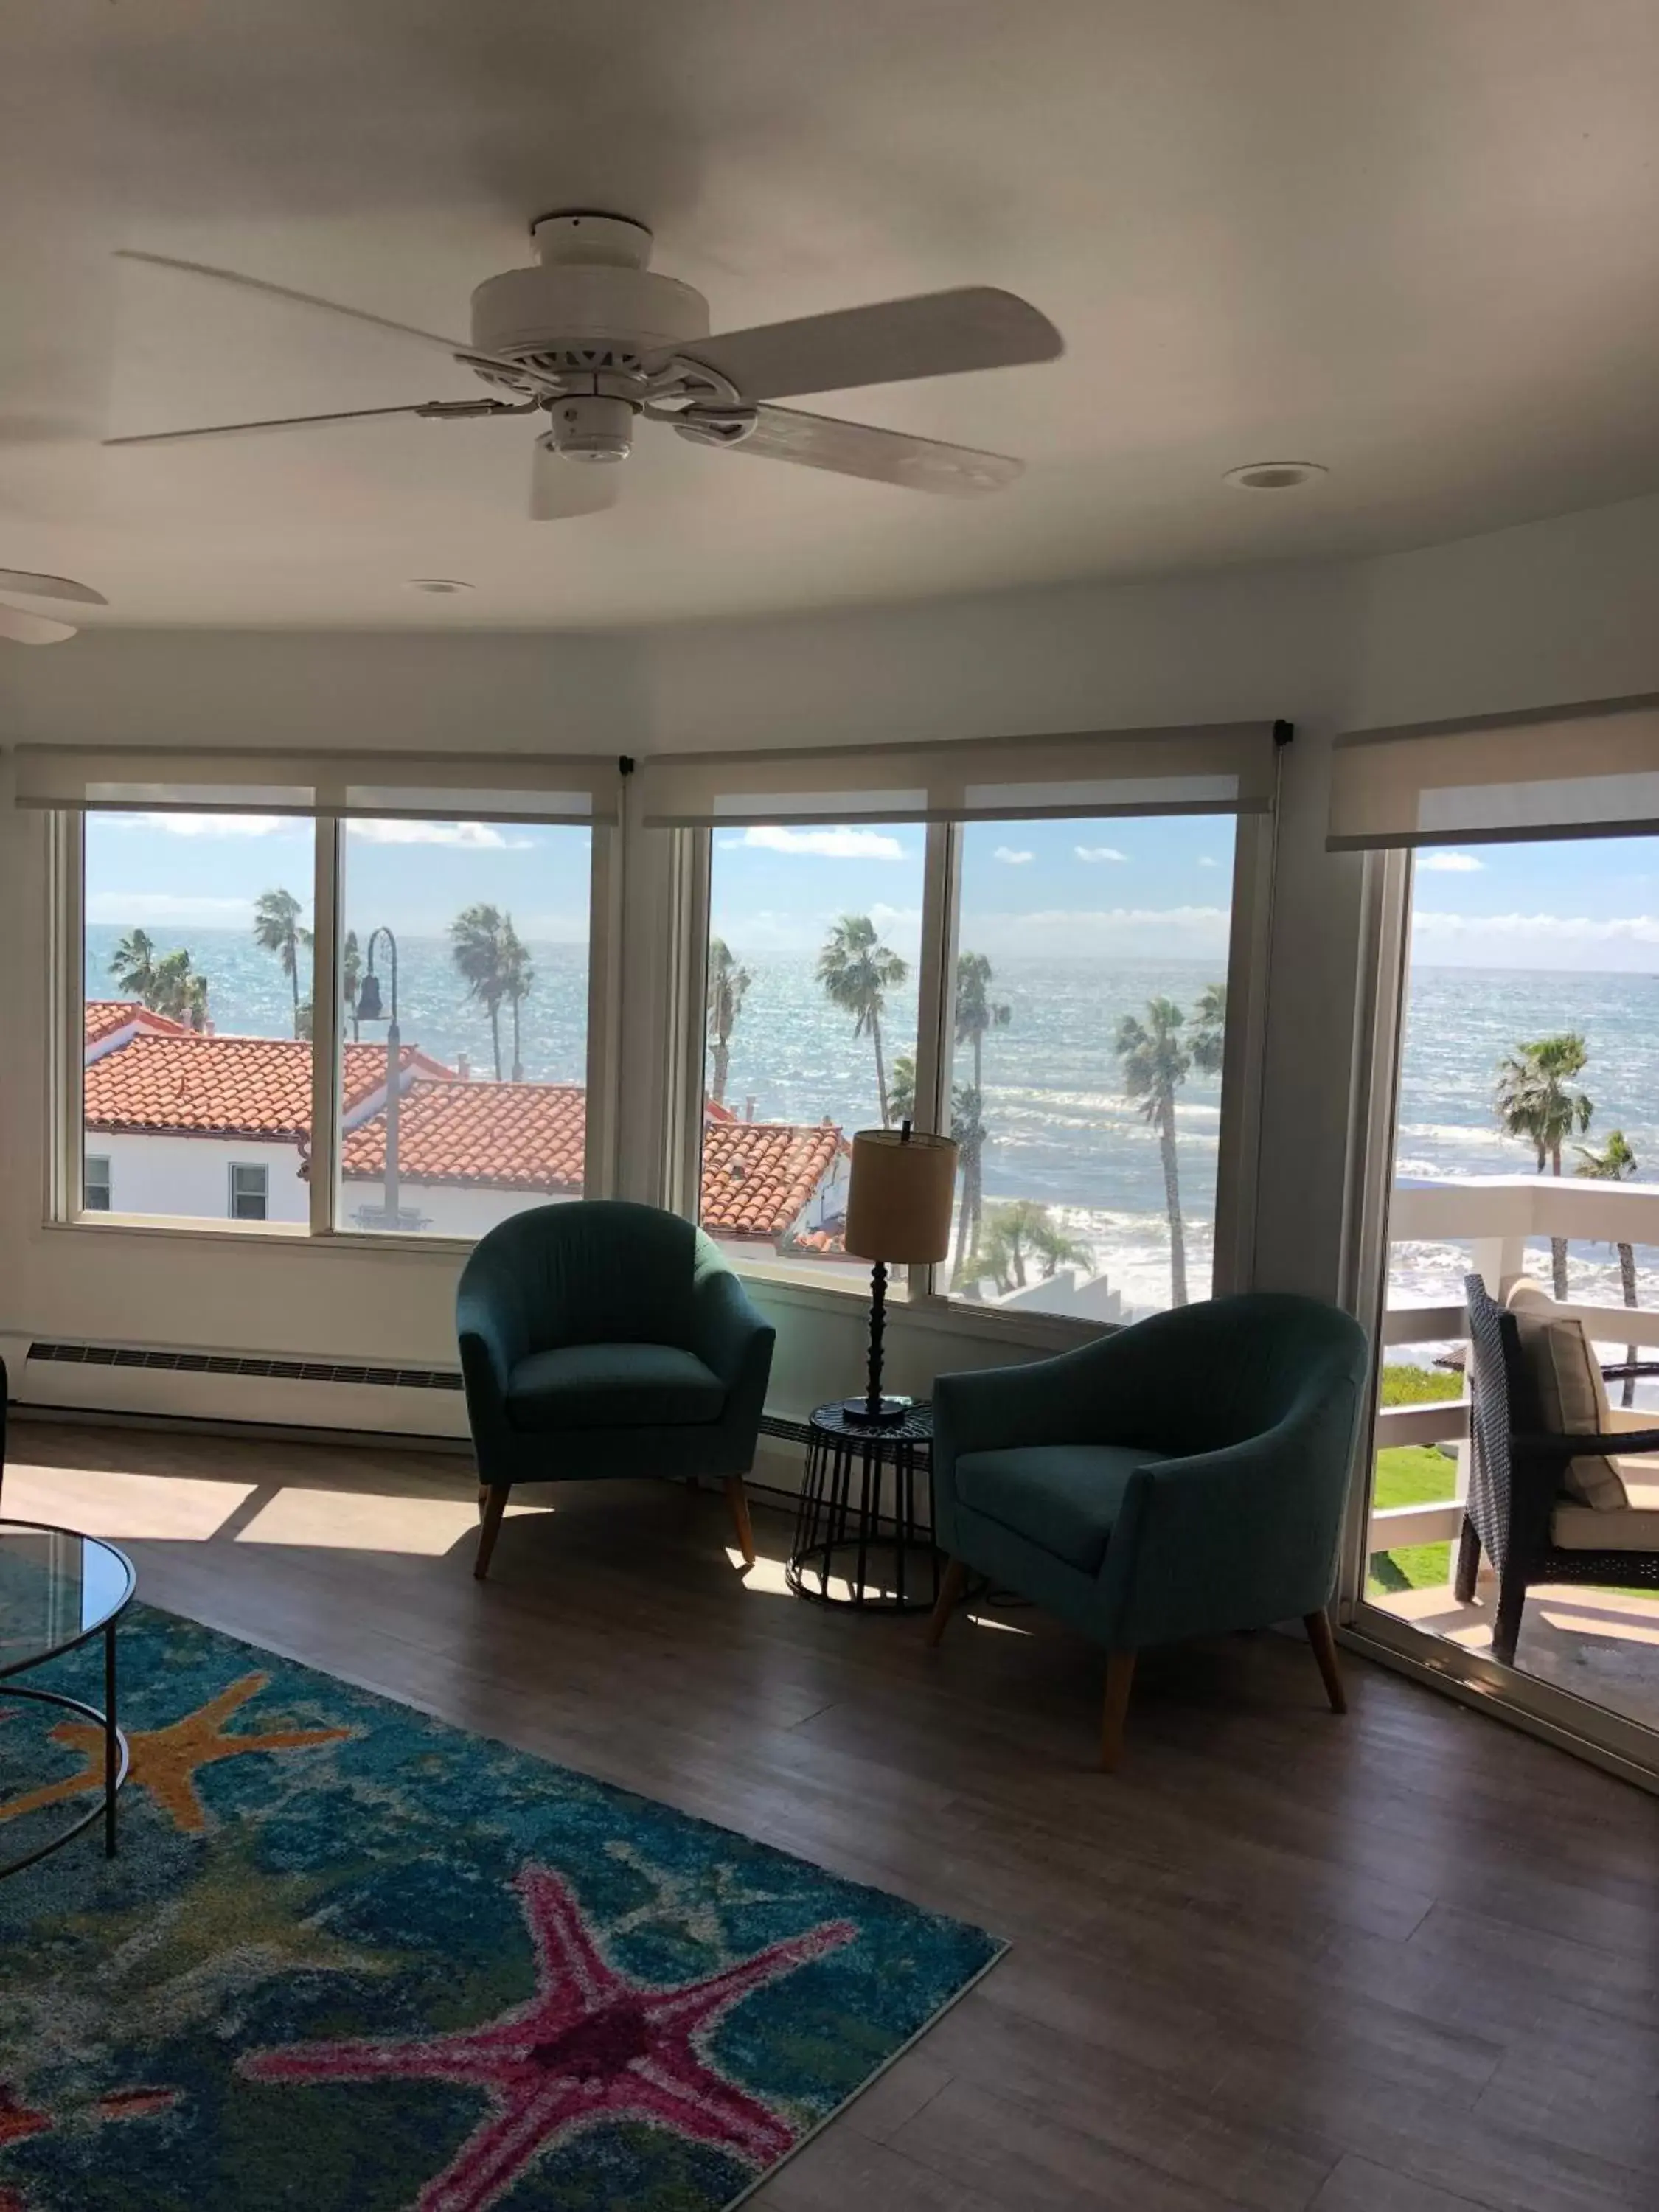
<point x="594" y="343"/>
<point x="20" y="627"/>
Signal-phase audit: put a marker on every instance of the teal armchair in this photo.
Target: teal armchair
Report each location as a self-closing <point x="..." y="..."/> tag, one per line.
<point x="1185" y="1477"/>
<point x="603" y="1338"/>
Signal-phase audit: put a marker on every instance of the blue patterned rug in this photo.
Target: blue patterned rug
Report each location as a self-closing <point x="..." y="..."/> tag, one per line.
<point x="351" y="1957"/>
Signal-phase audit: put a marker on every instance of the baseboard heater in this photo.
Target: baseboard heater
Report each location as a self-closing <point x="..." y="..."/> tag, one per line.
<point x="301" y="1370"/>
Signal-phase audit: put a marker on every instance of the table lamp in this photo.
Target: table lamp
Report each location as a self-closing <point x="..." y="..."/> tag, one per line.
<point x="898" y="1213"/>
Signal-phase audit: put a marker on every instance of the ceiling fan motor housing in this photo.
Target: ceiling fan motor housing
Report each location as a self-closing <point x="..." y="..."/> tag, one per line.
<point x="592" y="305"/>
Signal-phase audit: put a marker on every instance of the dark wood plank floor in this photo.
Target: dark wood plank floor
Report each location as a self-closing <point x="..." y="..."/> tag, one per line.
<point x="1407" y="1961"/>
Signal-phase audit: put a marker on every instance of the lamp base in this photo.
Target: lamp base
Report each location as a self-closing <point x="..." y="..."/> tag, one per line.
<point x="886" y="1409"/>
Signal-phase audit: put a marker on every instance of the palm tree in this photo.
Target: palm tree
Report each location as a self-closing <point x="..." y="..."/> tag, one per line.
<point x="975" y="1013"/>
<point x="276" y="929"/>
<point x="1155" y="1060"/>
<point x="1613" y="1164"/>
<point x="1536" y="1101"/>
<point x="857" y="973"/>
<point x="351" y="978"/>
<point x="728" y="987"/>
<point x="132" y="964"/>
<point x="517" y="976"/>
<point x="1209" y="1029"/>
<point x="177" y="991"/>
<point x="477" y="947"/>
<point x="1056" y="1249"/>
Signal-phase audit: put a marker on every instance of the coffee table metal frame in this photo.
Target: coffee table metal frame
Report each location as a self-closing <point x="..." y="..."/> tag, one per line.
<point x="117" y="1758"/>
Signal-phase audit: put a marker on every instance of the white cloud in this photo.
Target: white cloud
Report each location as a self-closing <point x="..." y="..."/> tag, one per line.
<point x="1098" y="853"/>
<point x="166" y="910"/>
<point x="214" y="825"/>
<point x="1538" y="940"/>
<point x="1151" y="932"/>
<point x="1014" y="859"/>
<point x="1450" y="864"/>
<point x="1205" y="861"/>
<point x="826" y="844"/>
<point x="474" y="837"/>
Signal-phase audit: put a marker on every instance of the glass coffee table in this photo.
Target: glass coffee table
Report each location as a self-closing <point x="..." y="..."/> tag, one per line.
<point x="58" y="1590"/>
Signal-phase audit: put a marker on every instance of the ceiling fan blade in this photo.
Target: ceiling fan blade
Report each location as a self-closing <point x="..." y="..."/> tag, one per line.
<point x="560" y="489"/>
<point x="35" y="586"/>
<point x="24" y="629"/>
<point x="272" y="422"/>
<point x="855" y="449"/>
<point x="934" y="334"/>
<point x="457" y="349"/>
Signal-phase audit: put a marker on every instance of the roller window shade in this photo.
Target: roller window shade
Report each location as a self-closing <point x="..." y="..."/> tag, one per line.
<point x="423" y="786"/>
<point x="1225" y="769"/>
<point x="1584" y="771"/>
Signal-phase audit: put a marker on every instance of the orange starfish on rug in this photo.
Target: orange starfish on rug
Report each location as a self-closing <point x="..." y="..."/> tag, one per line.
<point x="166" y="1761"/>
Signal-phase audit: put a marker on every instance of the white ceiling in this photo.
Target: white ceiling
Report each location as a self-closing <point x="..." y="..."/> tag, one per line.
<point x="1414" y="239"/>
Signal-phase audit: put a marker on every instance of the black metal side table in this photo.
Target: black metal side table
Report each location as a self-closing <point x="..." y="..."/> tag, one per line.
<point x="58" y="1590"/>
<point x="858" y="1524"/>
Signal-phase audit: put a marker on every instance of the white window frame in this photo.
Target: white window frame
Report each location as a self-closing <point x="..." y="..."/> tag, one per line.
<point x="64" y="1206"/>
<point x="921" y="1289"/>
<point x="233" y="1169"/>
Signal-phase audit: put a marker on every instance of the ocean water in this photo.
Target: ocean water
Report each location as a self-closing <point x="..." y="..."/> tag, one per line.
<point x="1060" y="1128"/>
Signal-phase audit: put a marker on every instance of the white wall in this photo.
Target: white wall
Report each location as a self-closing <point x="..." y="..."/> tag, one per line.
<point x="1550" y="612"/>
<point x="191" y="1175"/>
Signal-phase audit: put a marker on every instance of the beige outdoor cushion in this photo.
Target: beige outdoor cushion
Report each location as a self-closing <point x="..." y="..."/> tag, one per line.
<point x="1633" y="1528"/>
<point x="1572" y="1395"/>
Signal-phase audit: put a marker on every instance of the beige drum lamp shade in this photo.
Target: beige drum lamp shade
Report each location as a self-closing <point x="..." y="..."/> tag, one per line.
<point x="898" y="1209"/>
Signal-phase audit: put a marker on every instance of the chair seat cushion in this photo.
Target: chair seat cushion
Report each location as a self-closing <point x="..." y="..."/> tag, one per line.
<point x="1065" y="1498"/>
<point x="612" y="1386"/>
<point x="1631" y="1528"/>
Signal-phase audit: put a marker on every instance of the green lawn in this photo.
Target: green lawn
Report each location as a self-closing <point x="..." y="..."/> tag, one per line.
<point x="1413" y="1474"/>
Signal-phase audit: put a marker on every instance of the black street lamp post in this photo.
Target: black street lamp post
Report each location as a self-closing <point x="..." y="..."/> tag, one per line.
<point x="369" y="1009"/>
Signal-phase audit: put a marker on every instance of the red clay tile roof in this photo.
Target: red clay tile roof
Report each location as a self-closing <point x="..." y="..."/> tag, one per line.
<point x="507" y="1136"/>
<point x="223" y="1086"/>
<point x="530" y="1136"/>
<point x="757" y="1176"/>
<point x="101" y="1017"/>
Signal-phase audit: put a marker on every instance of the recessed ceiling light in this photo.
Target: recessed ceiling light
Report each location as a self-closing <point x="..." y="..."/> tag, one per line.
<point x="438" y="584"/>
<point x="1274" y="476"/>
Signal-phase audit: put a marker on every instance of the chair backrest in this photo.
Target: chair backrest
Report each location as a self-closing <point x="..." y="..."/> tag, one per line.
<point x="1504" y="1403"/>
<point x="1214" y="1373"/>
<point x="596" y="1271"/>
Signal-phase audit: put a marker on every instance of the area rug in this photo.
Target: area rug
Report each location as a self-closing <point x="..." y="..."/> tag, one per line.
<point x="348" y="1956"/>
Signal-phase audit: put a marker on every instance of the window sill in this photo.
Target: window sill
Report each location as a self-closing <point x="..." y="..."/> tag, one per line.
<point x="293" y="1235"/>
<point x="944" y="1316"/>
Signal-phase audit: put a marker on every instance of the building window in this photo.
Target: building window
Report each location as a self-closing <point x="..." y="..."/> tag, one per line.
<point x="814" y="947"/>
<point x="463" y="1014"/>
<point x="94" y="1184"/>
<point x="249" y="1189"/>
<point x="195" y="1007"/>
<point x="1086" y="1028"/>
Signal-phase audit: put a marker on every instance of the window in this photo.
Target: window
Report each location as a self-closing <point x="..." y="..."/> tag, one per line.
<point x="462" y="1017"/>
<point x="249" y="1186"/>
<point x="814" y="946"/>
<point x="1086" y="1032"/>
<point x="196" y="989"/>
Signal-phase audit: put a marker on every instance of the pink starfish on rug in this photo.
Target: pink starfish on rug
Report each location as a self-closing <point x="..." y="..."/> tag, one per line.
<point x="590" y="2045"/>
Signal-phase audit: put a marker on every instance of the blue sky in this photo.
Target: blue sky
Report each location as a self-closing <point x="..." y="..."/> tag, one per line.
<point x="1137" y="888"/>
<point x="1583" y="903"/>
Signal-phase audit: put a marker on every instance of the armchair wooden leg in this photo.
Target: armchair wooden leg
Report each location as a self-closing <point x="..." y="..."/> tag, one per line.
<point x="483" y="1499"/>
<point x="1468" y="1563"/>
<point x="737" y="1498"/>
<point x="494" y="1505"/>
<point x="1321" y="1636"/>
<point x="1120" y="1680"/>
<point x="953" y="1584"/>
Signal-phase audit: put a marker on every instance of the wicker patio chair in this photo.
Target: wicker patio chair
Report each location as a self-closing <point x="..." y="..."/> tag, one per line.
<point x="1518" y="1511"/>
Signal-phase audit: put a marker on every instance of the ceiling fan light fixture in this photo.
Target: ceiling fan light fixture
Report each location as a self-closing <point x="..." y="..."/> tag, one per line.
<point x="1275" y="476"/>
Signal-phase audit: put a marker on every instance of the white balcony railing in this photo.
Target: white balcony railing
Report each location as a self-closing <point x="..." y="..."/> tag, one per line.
<point x="1497" y="1216"/>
